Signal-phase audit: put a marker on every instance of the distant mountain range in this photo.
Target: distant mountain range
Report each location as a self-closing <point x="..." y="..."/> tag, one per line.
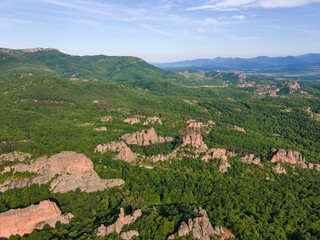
<point x="262" y="64"/>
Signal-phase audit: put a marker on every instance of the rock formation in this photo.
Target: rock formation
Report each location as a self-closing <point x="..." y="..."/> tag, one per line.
<point x="67" y="170"/>
<point x="153" y="120"/>
<point x="278" y="169"/>
<point x="239" y="128"/>
<point x="124" y="152"/>
<point x="101" y="129"/>
<point x="106" y="119"/>
<point x="132" y="120"/>
<point x="250" y="159"/>
<point x="10" y="157"/>
<point x="292" y="158"/>
<point x="223" y="164"/>
<point x="119" y="224"/>
<point x="144" y="138"/>
<point x="24" y="220"/>
<point x="129" y="235"/>
<point x="202" y="229"/>
<point x="194" y="140"/>
<point x="195" y="125"/>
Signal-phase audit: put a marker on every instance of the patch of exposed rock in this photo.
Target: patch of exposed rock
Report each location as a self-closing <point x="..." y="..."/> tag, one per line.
<point x="124" y="152"/>
<point x="101" y="129"/>
<point x="106" y="119"/>
<point x="119" y="224"/>
<point x="69" y="171"/>
<point x="223" y="165"/>
<point x="293" y="158"/>
<point x="153" y="120"/>
<point x="145" y="138"/>
<point x="250" y="159"/>
<point x="129" y="235"/>
<point x="194" y="140"/>
<point x="239" y="128"/>
<point x="201" y="228"/>
<point x="278" y="169"/>
<point x="10" y="157"/>
<point x="132" y="120"/>
<point x="24" y="220"/>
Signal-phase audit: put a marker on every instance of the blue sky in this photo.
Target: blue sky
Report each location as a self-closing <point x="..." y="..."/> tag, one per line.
<point x="163" y="30"/>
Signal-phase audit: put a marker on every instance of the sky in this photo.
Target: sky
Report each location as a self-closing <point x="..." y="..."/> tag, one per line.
<point x="163" y="30"/>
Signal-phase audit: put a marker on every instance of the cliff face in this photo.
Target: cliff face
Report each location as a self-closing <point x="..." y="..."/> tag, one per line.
<point x="24" y="221"/>
<point x="74" y="171"/>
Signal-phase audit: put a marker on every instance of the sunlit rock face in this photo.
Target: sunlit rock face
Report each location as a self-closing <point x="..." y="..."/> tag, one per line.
<point x="24" y="220"/>
<point x="67" y="170"/>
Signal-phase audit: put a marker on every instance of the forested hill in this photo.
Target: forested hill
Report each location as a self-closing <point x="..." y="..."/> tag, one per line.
<point x="52" y="62"/>
<point x="143" y="156"/>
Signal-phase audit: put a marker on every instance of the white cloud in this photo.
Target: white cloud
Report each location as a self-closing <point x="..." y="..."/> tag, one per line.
<point x="232" y="5"/>
<point x="239" y="17"/>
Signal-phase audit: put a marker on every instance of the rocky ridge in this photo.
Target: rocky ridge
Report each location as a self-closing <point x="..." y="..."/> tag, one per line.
<point x="152" y="120"/>
<point x="67" y="171"/>
<point x="202" y="229"/>
<point x="24" y="220"/>
<point x="132" y="121"/>
<point x="122" y="221"/>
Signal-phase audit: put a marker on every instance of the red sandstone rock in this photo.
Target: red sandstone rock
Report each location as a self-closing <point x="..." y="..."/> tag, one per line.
<point x="24" y="221"/>
<point x="279" y="169"/>
<point x="74" y="170"/>
<point x="239" y="128"/>
<point x="250" y="159"/>
<point x="10" y="157"/>
<point x="124" y="152"/>
<point x="129" y="235"/>
<point x="201" y="228"/>
<point x="101" y="129"/>
<point x="144" y="138"/>
<point x="119" y="224"/>
<point x="194" y="140"/>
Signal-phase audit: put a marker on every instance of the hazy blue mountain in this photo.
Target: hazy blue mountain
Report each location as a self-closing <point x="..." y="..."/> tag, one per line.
<point x="261" y="64"/>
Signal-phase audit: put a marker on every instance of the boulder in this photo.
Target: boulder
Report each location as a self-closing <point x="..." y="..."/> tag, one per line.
<point x="119" y="224"/>
<point x="145" y="138"/>
<point x="24" y="220"/>
<point x="67" y="171"/>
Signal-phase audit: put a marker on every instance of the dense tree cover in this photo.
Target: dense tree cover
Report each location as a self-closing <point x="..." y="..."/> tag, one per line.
<point x="46" y="115"/>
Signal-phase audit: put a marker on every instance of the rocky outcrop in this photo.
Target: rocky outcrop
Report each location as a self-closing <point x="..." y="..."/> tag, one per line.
<point x="153" y="120"/>
<point x="278" y="169"/>
<point x="101" y="129"/>
<point x="129" y="235"/>
<point x="145" y="138"/>
<point x="132" y="120"/>
<point x="119" y="224"/>
<point x="194" y="140"/>
<point x="223" y="165"/>
<point x="124" y="152"/>
<point x="67" y="171"/>
<point x="202" y="229"/>
<point x="195" y="125"/>
<point x="10" y="157"/>
<point x="291" y="157"/>
<point x="250" y="159"/>
<point x="239" y="128"/>
<point x="24" y="220"/>
<point x="106" y="119"/>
